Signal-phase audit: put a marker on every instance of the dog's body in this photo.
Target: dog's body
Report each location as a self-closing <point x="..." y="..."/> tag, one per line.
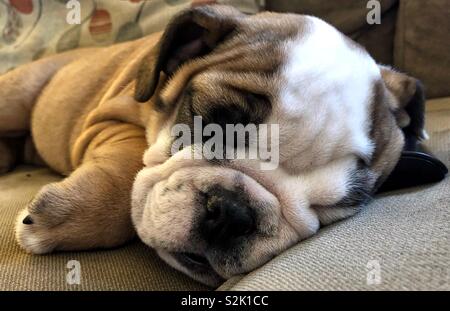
<point x="340" y="115"/>
<point x="84" y="120"/>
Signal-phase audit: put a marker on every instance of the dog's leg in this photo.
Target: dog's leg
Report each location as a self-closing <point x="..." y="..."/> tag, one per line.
<point x="19" y="89"/>
<point x="91" y="207"/>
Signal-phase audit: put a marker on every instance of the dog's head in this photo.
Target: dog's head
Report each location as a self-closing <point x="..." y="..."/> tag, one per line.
<point x="341" y="125"/>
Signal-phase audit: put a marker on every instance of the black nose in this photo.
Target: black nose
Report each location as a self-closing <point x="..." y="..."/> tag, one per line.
<point x="228" y="216"/>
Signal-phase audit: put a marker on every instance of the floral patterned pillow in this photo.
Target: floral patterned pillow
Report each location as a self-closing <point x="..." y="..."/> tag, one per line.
<point x="30" y="29"/>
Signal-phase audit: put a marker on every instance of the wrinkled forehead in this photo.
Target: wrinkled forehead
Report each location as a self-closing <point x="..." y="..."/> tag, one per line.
<point x="255" y="47"/>
<point x="269" y="49"/>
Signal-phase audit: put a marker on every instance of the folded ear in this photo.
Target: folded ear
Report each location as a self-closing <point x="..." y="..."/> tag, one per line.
<point x="192" y="33"/>
<point x="407" y="102"/>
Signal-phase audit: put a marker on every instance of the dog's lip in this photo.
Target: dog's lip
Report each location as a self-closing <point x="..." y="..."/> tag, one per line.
<point x="196" y="259"/>
<point x="197" y="263"/>
<point x="193" y="260"/>
<point x="199" y="269"/>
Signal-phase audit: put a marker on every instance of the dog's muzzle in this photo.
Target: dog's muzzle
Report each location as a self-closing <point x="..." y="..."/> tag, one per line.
<point x="211" y="222"/>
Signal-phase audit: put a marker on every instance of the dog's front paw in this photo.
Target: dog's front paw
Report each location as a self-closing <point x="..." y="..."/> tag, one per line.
<point x="38" y="226"/>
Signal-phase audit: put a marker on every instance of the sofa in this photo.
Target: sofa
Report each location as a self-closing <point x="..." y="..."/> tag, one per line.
<point x="400" y="241"/>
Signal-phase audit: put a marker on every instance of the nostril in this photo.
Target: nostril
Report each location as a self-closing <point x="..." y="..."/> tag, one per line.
<point x="244" y="223"/>
<point x="212" y="208"/>
<point x="227" y="216"/>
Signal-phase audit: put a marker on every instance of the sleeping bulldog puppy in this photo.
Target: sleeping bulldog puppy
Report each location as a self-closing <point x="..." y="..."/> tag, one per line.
<point x="104" y="118"/>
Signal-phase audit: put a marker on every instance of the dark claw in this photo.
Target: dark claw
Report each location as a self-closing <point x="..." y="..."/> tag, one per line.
<point x="27" y="220"/>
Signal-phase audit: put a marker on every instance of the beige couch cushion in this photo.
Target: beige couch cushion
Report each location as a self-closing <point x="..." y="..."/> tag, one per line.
<point x="407" y="232"/>
<point x="133" y="267"/>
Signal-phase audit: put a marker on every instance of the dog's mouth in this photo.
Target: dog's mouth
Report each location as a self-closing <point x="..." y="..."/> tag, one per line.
<point x="198" y="267"/>
<point x="194" y="259"/>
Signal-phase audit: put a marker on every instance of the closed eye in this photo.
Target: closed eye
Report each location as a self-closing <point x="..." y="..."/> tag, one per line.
<point x="230" y="114"/>
<point x="248" y="108"/>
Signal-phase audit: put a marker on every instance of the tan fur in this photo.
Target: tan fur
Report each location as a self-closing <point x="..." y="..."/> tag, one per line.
<point x="85" y="124"/>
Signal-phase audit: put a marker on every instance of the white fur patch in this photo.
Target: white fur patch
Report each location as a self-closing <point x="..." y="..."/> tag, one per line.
<point x="28" y="237"/>
<point x="327" y="89"/>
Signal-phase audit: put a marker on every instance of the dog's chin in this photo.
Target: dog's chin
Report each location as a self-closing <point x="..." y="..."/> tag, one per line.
<point x="195" y="266"/>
